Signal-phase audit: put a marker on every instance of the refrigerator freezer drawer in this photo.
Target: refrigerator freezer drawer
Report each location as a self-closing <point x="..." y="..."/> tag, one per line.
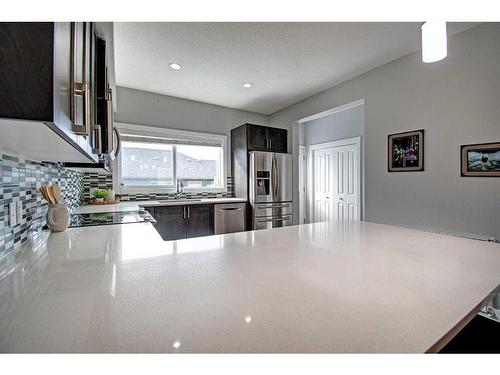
<point x="272" y="209"/>
<point x="272" y="222"/>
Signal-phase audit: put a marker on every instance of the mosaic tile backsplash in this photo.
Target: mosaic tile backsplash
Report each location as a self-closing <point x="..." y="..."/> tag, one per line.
<point x="105" y="181"/>
<point x="19" y="181"/>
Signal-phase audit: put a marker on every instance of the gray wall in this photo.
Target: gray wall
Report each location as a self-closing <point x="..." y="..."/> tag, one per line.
<point x="145" y="108"/>
<point x="456" y="101"/>
<point x="341" y="125"/>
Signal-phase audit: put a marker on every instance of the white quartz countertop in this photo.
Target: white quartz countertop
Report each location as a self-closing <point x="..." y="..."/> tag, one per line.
<point x="134" y="205"/>
<point x="326" y="287"/>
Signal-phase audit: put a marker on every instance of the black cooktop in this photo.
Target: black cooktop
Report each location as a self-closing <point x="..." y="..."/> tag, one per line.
<point x="108" y="218"/>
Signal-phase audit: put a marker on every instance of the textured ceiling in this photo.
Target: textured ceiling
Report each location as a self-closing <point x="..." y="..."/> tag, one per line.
<point x="285" y="62"/>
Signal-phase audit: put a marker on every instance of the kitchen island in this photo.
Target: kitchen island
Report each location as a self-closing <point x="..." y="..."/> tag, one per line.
<point x="333" y="287"/>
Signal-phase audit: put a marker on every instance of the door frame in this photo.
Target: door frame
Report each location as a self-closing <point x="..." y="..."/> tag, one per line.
<point x="310" y="168"/>
<point x="295" y="138"/>
<point x="303" y="212"/>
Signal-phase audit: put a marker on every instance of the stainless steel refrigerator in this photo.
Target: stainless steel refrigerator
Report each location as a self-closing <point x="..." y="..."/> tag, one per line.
<point x="270" y="189"/>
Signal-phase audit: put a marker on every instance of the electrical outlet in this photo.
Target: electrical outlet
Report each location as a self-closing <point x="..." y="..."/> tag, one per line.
<point x="12" y="214"/>
<point x="19" y="211"/>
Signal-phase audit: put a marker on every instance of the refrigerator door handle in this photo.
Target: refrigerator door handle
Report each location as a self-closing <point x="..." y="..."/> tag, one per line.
<point x="272" y="176"/>
<point x="278" y="180"/>
<point x="275" y="177"/>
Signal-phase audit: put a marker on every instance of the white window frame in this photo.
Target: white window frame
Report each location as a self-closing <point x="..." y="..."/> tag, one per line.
<point x="182" y="135"/>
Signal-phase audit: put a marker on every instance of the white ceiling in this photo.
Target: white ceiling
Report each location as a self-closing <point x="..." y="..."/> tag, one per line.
<point x="286" y="62"/>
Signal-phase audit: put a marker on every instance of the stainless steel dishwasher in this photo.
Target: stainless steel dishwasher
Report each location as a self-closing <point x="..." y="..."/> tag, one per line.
<point x="229" y="217"/>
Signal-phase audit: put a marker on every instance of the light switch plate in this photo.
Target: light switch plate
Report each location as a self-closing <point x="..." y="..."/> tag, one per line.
<point x="19" y="211"/>
<point x="12" y="214"/>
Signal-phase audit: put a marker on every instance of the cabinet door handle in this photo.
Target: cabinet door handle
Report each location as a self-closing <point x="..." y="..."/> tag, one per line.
<point x="270" y="143"/>
<point x="109" y="120"/>
<point x="97" y="139"/>
<point x="188" y="211"/>
<point x="79" y="88"/>
<point x="230" y="209"/>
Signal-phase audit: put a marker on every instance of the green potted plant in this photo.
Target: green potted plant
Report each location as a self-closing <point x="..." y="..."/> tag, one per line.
<point x="99" y="195"/>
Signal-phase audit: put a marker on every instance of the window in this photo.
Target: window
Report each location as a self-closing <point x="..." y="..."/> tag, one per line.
<point x="155" y="159"/>
<point x="199" y="166"/>
<point x="146" y="164"/>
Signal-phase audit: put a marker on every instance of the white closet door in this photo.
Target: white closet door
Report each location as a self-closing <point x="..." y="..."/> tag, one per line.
<point x="336" y="181"/>
<point x="346" y="176"/>
<point x="323" y="185"/>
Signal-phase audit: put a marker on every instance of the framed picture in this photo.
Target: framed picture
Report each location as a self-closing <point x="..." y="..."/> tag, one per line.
<point x="480" y="160"/>
<point x="406" y="151"/>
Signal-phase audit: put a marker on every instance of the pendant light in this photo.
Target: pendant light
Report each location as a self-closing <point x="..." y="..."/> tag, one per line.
<point x="434" y="41"/>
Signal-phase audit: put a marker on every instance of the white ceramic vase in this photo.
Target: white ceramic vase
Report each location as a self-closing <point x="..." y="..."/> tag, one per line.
<point x="58" y="217"/>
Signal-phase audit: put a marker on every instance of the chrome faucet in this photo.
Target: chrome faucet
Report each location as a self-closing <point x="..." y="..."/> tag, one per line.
<point x="180" y="187"/>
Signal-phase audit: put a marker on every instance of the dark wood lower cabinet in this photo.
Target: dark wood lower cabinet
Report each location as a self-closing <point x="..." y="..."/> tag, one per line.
<point x="171" y="223"/>
<point x="200" y="220"/>
<point x="481" y="335"/>
<point x="177" y="222"/>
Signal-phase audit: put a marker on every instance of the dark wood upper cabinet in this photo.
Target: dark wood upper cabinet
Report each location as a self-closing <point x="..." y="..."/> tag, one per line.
<point x="262" y="138"/>
<point x="27" y="75"/>
<point x="200" y="220"/>
<point x="277" y="139"/>
<point x="47" y="78"/>
<point x="257" y="138"/>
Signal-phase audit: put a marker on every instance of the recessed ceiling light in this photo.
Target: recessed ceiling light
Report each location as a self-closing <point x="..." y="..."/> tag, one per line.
<point x="247" y="85"/>
<point x="175" y="66"/>
<point x="434" y="41"/>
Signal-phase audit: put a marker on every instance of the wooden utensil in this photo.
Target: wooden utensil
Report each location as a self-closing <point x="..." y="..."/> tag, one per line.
<point x="47" y="195"/>
<point x="56" y="191"/>
<point x="50" y="194"/>
<point x="42" y="190"/>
